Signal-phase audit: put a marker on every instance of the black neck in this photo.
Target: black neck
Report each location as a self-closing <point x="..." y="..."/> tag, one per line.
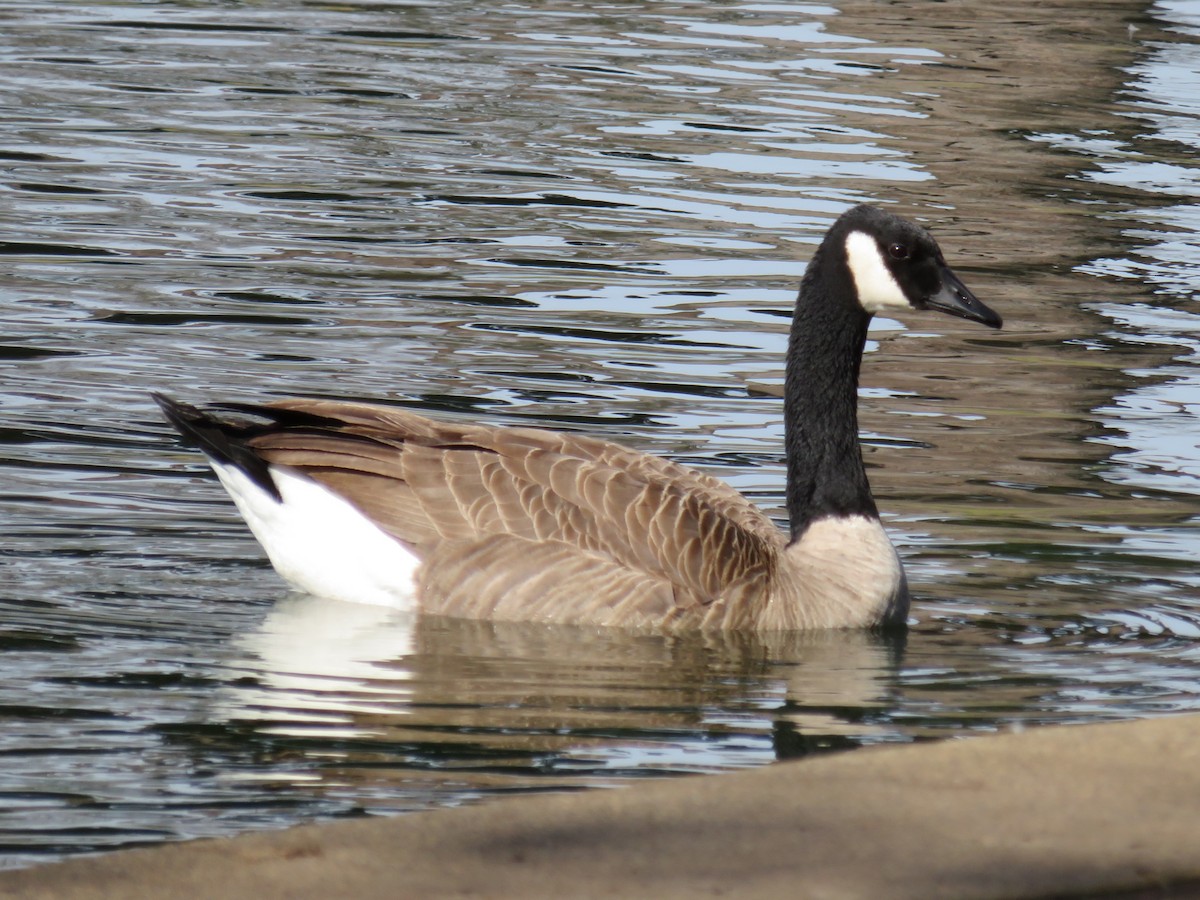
<point x="829" y="330"/>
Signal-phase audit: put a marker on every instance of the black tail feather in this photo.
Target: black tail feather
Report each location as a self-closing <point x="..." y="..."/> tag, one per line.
<point x="223" y="441"/>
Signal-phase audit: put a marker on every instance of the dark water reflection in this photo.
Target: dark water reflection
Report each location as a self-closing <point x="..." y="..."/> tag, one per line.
<point x="590" y="218"/>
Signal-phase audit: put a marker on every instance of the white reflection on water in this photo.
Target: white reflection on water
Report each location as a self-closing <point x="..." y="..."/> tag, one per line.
<point x="316" y="661"/>
<point x="1155" y="427"/>
<point x="1158" y="422"/>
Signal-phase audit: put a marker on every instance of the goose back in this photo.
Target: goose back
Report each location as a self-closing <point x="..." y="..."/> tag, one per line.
<point x="521" y="523"/>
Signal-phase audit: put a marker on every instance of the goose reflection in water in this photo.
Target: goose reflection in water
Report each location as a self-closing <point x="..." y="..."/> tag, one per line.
<point x="502" y="703"/>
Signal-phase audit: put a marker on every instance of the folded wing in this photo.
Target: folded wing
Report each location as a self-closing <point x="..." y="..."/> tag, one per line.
<point x="520" y="523"/>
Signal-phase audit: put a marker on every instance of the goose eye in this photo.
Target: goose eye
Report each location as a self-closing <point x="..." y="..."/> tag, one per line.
<point x="898" y="251"/>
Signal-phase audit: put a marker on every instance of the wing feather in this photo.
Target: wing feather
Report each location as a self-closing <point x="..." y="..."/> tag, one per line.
<point x="530" y="524"/>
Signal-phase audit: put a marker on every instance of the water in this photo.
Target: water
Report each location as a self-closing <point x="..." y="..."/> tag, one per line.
<point x="585" y="217"/>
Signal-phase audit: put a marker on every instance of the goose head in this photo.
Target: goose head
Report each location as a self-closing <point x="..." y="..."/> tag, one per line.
<point x="895" y="265"/>
<point x="870" y="263"/>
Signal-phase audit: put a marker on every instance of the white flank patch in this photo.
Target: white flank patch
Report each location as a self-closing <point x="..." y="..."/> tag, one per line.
<point x="877" y="289"/>
<point x="320" y="543"/>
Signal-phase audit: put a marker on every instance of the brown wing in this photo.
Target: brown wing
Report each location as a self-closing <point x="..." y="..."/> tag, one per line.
<point x="520" y="523"/>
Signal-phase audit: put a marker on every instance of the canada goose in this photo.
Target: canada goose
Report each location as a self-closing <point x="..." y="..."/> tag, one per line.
<point x="375" y="504"/>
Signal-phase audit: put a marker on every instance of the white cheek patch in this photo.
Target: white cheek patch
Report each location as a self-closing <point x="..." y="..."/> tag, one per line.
<point x="877" y="289"/>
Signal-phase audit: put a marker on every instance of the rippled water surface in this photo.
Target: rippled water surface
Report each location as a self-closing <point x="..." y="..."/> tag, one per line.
<point x="593" y="217"/>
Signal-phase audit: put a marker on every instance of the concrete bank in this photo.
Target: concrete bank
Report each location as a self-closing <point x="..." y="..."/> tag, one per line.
<point x="1062" y="811"/>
